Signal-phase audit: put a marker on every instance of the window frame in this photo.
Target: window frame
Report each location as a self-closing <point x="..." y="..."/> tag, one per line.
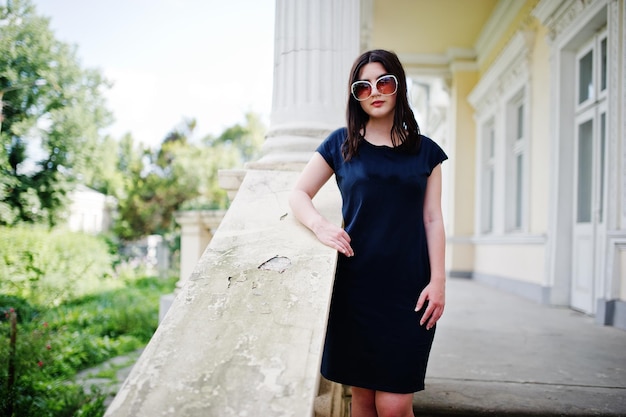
<point x="516" y="172"/>
<point x="488" y="173"/>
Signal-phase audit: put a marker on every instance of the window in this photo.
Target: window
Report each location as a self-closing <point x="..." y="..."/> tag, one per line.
<point x="603" y="63"/>
<point x="585" y="77"/>
<point x="501" y="99"/>
<point x="602" y="163"/>
<point x="585" y="160"/>
<point x="516" y="164"/>
<point x="488" y="177"/>
<point x="591" y="72"/>
<point x="591" y="79"/>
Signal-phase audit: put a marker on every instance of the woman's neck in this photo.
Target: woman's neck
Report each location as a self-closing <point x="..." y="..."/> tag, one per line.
<point x="378" y="131"/>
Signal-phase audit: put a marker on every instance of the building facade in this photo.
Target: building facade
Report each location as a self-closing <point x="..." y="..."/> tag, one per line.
<point x="527" y="97"/>
<point x="90" y="211"/>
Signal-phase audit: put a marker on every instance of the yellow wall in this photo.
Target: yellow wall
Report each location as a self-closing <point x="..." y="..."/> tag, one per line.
<point x="428" y="26"/>
<point x="462" y="171"/>
<point x="539" y="134"/>
<point x="520" y="262"/>
<point x="522" y="20"/>
<point x="430" y="33"/>
<point x="463" y="140"/>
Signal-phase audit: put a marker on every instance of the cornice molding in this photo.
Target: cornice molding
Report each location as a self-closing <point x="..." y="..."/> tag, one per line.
<point x="512" y="65"/>
<point x="559" y="16"/>
<point x="500" y="19"/>
<point x="454" y="59"/>
<point x="545" y="9"/>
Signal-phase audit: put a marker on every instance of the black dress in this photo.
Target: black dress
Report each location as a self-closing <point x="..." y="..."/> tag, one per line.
<point x="374" y="339"/>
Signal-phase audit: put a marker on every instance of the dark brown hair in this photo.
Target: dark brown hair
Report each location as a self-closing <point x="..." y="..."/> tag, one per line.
<point x="405" y="133"/>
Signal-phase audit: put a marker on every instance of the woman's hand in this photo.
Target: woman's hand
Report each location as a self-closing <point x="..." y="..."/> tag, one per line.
<point x="314" y="175"/>
<point x="332" y="236"/>
<point x="435" y="294"/>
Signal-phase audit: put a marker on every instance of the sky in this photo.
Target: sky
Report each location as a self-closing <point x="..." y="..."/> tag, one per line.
<point x="170" y="60"/>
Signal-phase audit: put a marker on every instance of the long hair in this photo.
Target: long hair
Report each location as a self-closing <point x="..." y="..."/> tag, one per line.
<point x="405" y="133"/>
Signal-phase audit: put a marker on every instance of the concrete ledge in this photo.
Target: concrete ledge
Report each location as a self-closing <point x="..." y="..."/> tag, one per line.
<point x="489" y="398"/>
<point x="244" y="334"/>
<point x="528" y="290"/>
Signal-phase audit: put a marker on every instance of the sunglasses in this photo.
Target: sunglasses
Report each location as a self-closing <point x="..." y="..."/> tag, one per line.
<point x="386" y="85"/>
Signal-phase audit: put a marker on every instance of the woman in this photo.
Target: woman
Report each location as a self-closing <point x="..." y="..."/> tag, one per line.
<point x="390" y="281"/>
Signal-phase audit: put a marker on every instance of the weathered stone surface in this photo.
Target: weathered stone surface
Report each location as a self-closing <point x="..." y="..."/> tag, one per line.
<point x="244" y="335"/>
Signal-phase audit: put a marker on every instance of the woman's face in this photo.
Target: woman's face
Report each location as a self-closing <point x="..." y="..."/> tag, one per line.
<point x="377" y="105"/>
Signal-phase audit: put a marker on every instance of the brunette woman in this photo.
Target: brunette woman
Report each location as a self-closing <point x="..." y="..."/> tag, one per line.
<point x="389" y="286"/>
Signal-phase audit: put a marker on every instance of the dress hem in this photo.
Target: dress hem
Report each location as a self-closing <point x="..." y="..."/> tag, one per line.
<point x="375" y="387"/>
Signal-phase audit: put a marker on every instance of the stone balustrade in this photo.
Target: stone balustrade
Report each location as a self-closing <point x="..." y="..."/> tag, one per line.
<point x="244" y="334"/>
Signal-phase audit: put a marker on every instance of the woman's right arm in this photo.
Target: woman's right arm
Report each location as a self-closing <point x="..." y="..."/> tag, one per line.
<point x="312" y="178"/>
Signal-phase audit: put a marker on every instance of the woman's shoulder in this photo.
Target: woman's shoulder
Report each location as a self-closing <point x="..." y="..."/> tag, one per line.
<point x="330" y="148"/>
<point x="335" y="138"/>
<point x="428" y="143"/>
<point x="427" y="140"/>
<point x="432" y="150"/>
<point x="339" y="134"/>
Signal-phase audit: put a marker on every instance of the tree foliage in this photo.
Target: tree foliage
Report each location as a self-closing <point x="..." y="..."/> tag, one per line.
<point x="246" y="138"/>
<point x="51" y="112"/>
<point x="151" y="185"/>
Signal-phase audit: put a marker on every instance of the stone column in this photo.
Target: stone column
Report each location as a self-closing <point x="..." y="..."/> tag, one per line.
<point x="316" y="42"/>
<point x="196" y="230"/>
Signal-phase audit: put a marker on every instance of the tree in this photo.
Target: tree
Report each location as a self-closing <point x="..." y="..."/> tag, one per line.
<point x="50" y="113"/>
<point x="180" y="175"/>
<point x="158" y="182"/>
<point x="246" y="138"/>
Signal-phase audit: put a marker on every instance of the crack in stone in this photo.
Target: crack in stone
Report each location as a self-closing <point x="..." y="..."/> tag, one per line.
<point x="277" y="263"/>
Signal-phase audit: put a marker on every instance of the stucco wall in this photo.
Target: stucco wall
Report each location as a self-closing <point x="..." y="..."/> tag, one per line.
<point x="540" y="134"/>
<point x="414" y="26"/>
<point x="519" y="262"/>
<point x="622" y="273"/>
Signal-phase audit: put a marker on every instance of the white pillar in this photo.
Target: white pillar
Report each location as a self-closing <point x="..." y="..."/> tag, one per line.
<point x="316" y="42"/>
<point x="196" y="230"/>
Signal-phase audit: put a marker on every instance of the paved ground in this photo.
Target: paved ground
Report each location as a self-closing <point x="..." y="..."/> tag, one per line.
<point x="497" y="354"/>
<point x="501" y="355"/>
<point x="110" y="375"/>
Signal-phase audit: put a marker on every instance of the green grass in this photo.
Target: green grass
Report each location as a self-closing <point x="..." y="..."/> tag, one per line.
<point x="55" y="343"/>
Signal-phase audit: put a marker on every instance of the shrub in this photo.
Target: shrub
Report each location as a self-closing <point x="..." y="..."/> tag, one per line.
<point x="26" y="311"/>
<point x="69" y="313"/>
<point x="48" y="267"/>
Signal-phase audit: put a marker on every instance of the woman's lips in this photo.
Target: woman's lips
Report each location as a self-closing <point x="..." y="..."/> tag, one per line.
<point x="378" y="103"/>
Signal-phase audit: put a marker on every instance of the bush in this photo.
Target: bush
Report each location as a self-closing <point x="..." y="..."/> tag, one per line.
<point x="69" y="314"/>
<point x="49" y="267"/>
<point x="26" y="312"/>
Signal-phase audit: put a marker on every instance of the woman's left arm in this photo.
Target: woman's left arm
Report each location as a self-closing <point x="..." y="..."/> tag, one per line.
<point x="435" y="291"/>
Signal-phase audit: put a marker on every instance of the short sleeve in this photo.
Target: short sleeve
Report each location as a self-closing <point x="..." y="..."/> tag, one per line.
<point x="330" y="148"/>
<point x="434" y="154"/>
